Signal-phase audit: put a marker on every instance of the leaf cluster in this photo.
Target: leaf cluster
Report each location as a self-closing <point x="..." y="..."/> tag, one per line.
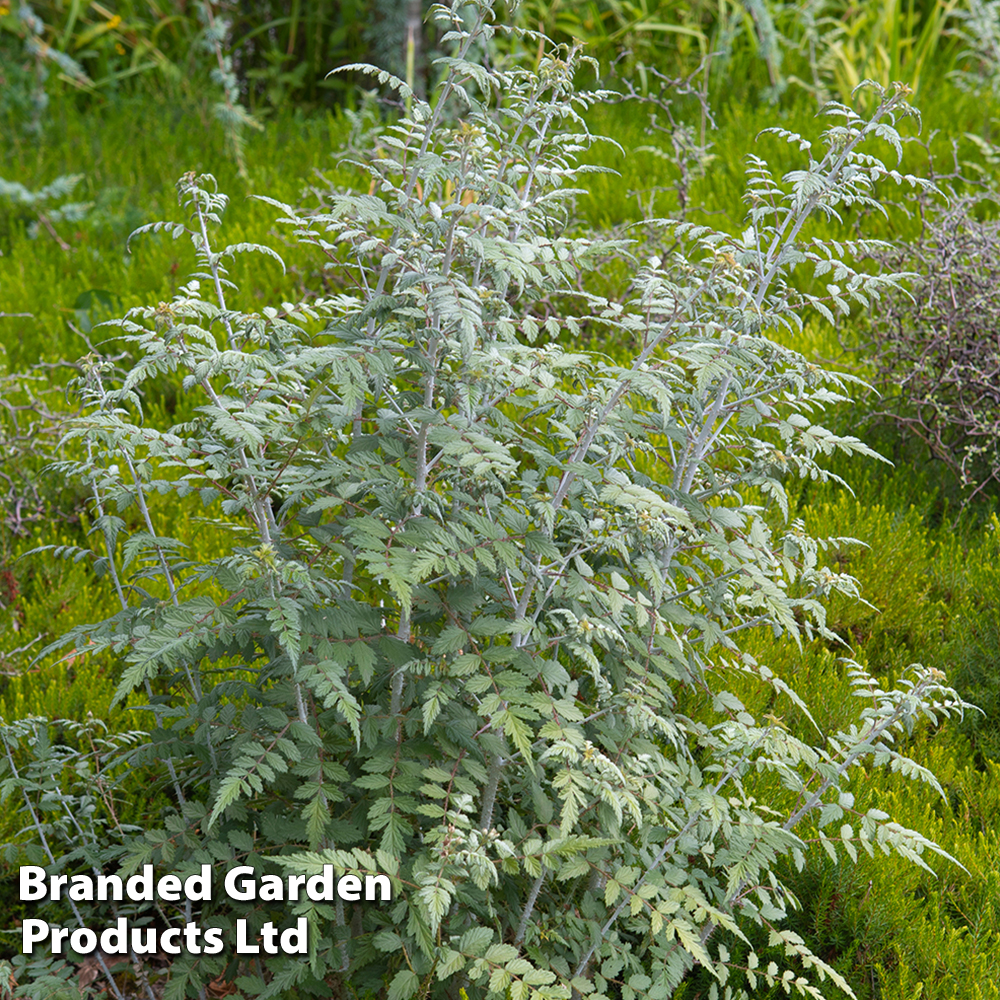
<point x="472" y="575"/>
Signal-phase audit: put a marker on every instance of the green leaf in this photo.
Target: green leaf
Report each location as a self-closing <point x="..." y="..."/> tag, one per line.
<point x="404" y="985"/>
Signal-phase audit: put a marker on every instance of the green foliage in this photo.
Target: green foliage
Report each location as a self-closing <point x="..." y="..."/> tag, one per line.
<point x="51" y="302"/>
<point x="980" y="31"/>
<point x="36" y="202"/>
<point x="27" y="58"/>
<point x="126" y="156"/>
<point x="119" y="169"/>
<point x="976" y="648"/>
<point x="181" y="52"/>
<point x="71" y="789"/>
<point x="910" y="934"/>
<point x="888" y="927"/>
<point x="457" y="621"/>
<point x="278" y="52"/>
<point x="229" y="111"/>
<point x="888" y="41"/>
<point x="827" y="47"/>
<point x="902" y="615"/>
<point x="608" y="27"/>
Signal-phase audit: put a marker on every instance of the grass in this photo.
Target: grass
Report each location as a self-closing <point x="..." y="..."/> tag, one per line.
<point x="929" y="570"/>
<point x="129" y="165"/>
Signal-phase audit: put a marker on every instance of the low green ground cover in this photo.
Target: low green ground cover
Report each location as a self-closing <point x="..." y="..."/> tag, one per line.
<point x="927" y="568"/>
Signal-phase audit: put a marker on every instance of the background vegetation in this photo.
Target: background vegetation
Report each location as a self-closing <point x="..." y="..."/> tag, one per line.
<point x="103" y="107"/>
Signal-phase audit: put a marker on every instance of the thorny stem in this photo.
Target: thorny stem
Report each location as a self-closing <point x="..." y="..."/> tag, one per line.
<point x="398" y="678"/>
<point x="430" y="129"/>
<point x="490" y="792"/>
<point x="265" y="523"/>
<point x="876" y="733"/>
<point x="591" y="428"/>
<point x="529" y="906"/>
<point x="515" y="230"/>
<point x="263" y="515"/>
<point x="781" y="237"/>
<point x="113" y="571"/>
<point x="262" y="510"/>
<point x="798" y="220"/>
<point x="137" y="964"/>
<point x="39" y="829"/>
<point x="697" y="452"/>
<point x="193" y="677"/>
<point x="814" y="800"/>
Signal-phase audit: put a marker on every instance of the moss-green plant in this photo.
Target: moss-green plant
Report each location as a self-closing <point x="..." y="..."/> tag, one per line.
<point x="975" y="646"/>
<point x="888" y="41"/>
<point x="460" y="615"/>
